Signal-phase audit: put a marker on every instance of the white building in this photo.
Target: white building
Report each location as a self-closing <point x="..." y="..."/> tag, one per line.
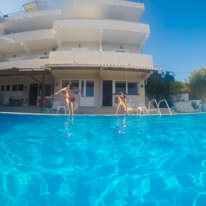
<point x="96" y="44"/>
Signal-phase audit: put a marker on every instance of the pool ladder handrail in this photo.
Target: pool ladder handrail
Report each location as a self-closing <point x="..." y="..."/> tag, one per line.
<point x="154" y="100"/>
<point x="164" y="100"/>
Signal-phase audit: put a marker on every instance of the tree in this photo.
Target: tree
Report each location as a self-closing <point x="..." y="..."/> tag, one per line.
<point x="197" y="82"/>
<point x="179" y="87"/>
<point x="176" y="87"/>
<point x="158" y="85"/>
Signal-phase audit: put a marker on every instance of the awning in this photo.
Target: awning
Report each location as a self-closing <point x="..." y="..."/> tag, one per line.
<point x="13" y="71"/>
<point x="116" y="67"/>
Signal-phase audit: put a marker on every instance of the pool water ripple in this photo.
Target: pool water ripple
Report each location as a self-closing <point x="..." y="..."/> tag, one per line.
<point x="102" y="160"/>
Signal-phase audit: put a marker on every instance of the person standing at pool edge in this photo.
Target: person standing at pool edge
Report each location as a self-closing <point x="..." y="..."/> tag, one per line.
<point x="122" y="102"/>
<point x="70" y="98"/>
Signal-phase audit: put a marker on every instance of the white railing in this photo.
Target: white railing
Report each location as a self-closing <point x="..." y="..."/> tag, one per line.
<point x="149" y="107"/>
<point x="158" y="106"/>
<point x="97" y="57"/>
<point x="28" y="63"/>
<point x="164" y="100"/>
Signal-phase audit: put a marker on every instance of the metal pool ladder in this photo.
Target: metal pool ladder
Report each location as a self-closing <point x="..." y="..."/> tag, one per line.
<point x="158" y="106"/>
<point x="149" y="106"/>
<point x="164" y="100"/>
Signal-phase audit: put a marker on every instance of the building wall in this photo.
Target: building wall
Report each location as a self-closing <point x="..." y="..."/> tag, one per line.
<point x="72" y="75"/>
<point x="24" y="55"/>
<point x="129" y="47"/>
<point x="96" y="47"/>
<point x="186" y="107"/>
<point x="26" y="81"/>
<point x="98" y="78"/>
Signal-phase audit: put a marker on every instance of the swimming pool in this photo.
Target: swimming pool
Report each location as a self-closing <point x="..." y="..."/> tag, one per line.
<point x="102" y="160"/>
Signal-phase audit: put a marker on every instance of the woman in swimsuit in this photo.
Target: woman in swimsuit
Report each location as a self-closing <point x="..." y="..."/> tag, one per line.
<point x="122" y="102"/>
<point x="70" y="98"/>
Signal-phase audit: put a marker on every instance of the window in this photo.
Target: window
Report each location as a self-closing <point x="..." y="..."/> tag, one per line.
<point x="49" y="89"/>
<point x="82" y="86"/>
<point x="120" y="86"/>
<point x="14" y="87"/>
<point x="65" y="83"/>
<point x="132" y="87"/>
<point x="2" y="88"/>
<point x="20" y="87"/>
<point x="8" y="88"/>
<point x="76" y="85"/>
<point x="74" y="82"/>
<point x="89" y="88"/>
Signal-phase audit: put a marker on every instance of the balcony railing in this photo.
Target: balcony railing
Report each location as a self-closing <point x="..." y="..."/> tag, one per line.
<point x="50" y="7"/>
<point x="96" y="57"/>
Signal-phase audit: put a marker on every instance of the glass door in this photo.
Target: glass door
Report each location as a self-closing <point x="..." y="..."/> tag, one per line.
<point x="107" y="92"/>
<point x="87" y="87"/>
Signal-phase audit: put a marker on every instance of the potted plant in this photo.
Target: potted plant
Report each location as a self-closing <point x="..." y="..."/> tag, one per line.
<point x="203" y="107"/>
<point x="195" y="105"/>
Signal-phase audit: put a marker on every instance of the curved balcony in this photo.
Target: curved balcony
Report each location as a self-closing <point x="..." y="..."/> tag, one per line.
<point x="24" y="64"/>
<point x="106" y="9"/>
<point x="27" y="41"/>
<point x="19" y="22"/>
<point x="87" y="30"/>
<point x="85" y="59"/>
<point x="89" y="58"/>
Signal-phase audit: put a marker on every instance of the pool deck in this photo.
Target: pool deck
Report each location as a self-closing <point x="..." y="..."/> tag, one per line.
<point x="106" y="111"/>
<point x="81" y="111"/>
<point x="48" y="114"/>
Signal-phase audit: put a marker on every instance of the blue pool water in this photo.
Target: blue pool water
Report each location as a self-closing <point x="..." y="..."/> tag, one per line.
<point x="102" y="160"/>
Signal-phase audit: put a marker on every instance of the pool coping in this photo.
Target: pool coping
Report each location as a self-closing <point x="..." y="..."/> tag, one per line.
<point x="45" y="114"/>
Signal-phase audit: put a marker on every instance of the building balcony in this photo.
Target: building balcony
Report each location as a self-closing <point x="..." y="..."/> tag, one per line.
<point x="105" y="58"/>
<point x="130" y="10"/>
<point x="83" y="59"/>
<point x="29" y="21"/>
<point x="96" y="30"/>
<point x="28" y="41"/>
<point x="24" y="64"/>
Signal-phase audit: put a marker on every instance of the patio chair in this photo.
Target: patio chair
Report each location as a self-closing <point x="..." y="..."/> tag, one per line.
<point x="55" y="106"/>
<point x="141" y="109"/>
<point x="130" y="108"/>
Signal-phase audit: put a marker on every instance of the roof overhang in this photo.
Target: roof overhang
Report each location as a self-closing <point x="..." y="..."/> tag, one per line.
<point x="115" y="67"/>
<point x="13" y="71"/>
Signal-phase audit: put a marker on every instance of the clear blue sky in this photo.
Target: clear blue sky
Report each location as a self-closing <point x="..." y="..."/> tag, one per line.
<point x="178" y="33"/>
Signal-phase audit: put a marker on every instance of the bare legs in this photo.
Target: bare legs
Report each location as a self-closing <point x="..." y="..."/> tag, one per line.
<point x="72" y="106"/>
<point x="118" y="107"/>
<point x="68" y="106"/>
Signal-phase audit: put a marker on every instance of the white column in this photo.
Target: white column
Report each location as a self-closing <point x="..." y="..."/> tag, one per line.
<point x="57" y="38"/>
<point x="144" y="40"/>
<point x="26" y="48"/>
<point x="100" y="40"/>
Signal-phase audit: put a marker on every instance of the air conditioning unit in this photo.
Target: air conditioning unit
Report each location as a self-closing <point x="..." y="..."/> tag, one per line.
<point x="80" y="49"/>
<point x="120" y="50"/>
<point x="44" y="57"/>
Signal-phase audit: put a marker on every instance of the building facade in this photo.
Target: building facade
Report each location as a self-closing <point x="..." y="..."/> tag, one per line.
<point x="95" y="44"/>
